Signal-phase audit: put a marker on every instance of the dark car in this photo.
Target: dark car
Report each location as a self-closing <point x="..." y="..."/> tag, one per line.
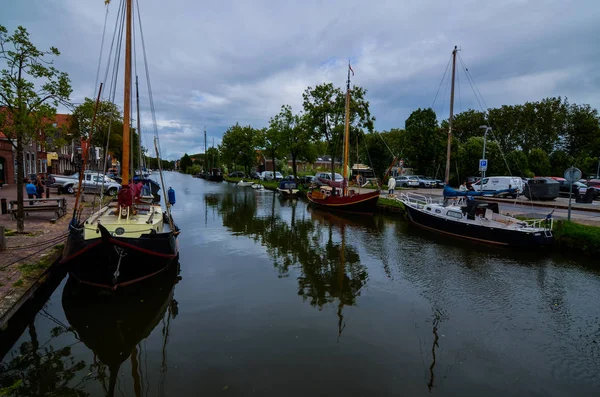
<point x="237" y="174"/>
<point x="254" y="175"/>
<point x="565" y="186"/>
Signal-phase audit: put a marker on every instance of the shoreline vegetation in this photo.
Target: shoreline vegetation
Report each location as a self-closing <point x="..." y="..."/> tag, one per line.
<point x="567" y="234"/>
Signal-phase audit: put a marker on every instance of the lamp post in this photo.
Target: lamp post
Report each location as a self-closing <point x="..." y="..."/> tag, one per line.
<point x="486" y="128"/>
<point x="598" y="169"/>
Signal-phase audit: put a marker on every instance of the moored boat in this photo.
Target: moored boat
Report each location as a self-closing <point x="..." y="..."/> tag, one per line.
<point x="337" y="196"/>
<point x="132" y="238"/>
<point x="460" y="215"/>
<point x="288" y="189"/>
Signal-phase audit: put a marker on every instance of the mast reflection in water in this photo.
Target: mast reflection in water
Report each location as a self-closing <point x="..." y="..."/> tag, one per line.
<point x="330" y="269"/>
<point x="112" y="325"/>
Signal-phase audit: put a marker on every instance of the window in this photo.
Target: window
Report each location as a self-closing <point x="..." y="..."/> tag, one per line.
<point x="454" y="214"/>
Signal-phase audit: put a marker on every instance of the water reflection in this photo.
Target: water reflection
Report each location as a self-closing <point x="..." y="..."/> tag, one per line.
<point x="309" y="241"/>
<point x="112" y="325"/>
<point x="40" y="369"/>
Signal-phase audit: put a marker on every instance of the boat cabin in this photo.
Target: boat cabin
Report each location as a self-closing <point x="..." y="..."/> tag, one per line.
<point x="288" y="185"/>
<point x="479" y="208"/>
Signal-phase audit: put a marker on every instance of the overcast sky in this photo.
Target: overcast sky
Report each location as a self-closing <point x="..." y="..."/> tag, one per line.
<point x="215" y="63"/>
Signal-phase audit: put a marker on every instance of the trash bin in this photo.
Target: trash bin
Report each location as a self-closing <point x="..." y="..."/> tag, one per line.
<point x="590" y="195"/>
<point x="3" y="205"/>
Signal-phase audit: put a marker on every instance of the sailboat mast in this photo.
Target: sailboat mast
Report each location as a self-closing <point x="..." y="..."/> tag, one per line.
<point x="347" y="129"/>
<point x="451" y="117"/>
<point x="127" y="99"/>
<point x="205" y="158"/>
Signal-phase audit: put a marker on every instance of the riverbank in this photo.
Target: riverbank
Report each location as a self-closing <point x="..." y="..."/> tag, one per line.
<point x="29" y="257"/>
<point x="569" y="235"/>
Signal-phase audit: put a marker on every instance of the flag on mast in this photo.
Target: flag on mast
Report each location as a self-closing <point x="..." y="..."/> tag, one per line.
<point x="350" y="67"/>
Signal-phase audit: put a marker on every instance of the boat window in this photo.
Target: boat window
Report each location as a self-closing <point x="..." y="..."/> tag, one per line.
<point x="454" y="214"/>
<point x="428" y="208"/>
<point x="438" y="211"/>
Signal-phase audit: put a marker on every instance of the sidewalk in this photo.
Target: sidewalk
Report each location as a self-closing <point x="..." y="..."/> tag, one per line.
<point x="25" y="263"/>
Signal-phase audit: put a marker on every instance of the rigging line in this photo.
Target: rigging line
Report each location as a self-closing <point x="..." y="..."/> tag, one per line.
<point x="472" y="84"/>
<point x="101" y="46"/>
<point x="441" y="81"/>
<point x="114" y="38"/>
<point x="384" y="142"/>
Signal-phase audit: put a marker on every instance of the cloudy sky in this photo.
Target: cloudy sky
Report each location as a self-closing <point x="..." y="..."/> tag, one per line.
<point x="215" y="63"/>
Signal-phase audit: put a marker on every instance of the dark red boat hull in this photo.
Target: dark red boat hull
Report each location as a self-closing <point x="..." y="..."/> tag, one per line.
<point x="358" y="203"/>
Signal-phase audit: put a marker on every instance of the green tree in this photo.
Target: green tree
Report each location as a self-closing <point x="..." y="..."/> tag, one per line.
<point x="582" y="135"/>
<point x="424" y="143"/>
<point x="295" y="134"/>
<point x="239" y="147"/>
<point x="539" y="162"/>
<point x="185" y="162"/>
<point x="560" y="160"/>
<point x="107" y="126"/>
<point x="324" y="107"/>
<point x="466" y="124"/>
<point x="30" y="90"/>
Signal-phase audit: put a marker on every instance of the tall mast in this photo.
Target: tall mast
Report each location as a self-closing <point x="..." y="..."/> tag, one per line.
<point x="205" y="159"/>
<point x="347" y="130"/>
<point x="451" y="117"/>
<point x="127" y="100"/>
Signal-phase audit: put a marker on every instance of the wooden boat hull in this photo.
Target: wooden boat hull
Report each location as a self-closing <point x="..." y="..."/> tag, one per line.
<point x="95" y="261"/>
<point x="496" y="236"/>
<point x="357" y="203"/>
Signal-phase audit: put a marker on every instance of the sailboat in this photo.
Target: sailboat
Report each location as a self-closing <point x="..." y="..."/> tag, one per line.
<point x="340" y="197"/>
<point x="460" y="215"/>
<point x="132" y="238"/>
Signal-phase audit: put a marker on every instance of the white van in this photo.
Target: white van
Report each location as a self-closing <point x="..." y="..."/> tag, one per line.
<point x="493" y="183"/>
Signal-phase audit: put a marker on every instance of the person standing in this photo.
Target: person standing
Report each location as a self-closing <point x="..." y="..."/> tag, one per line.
<point x="463" y="187"/>
<point x="39" y="187"/>
<point x="391" y="185"/>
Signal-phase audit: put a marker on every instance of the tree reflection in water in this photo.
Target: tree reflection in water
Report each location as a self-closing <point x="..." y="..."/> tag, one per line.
<point x="313" y="242"/>
<point x="40" y="370"/>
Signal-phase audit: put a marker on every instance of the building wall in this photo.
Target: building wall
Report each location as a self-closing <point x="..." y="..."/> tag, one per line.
<point x="6" y="153"/>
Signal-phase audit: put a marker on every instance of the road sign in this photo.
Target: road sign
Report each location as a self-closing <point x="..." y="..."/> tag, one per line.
<point x="400" y="163"/>
<point x="572" y="174"/>
<point x="483" y="165"/>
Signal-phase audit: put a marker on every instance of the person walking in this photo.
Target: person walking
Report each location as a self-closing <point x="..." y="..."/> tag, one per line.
<point x="391" y="185"/>
<point x="31" y="190"/>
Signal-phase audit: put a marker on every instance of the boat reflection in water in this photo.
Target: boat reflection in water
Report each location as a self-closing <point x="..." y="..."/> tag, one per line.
<point x="311" y="243"/>
<point x="112" y="324"/>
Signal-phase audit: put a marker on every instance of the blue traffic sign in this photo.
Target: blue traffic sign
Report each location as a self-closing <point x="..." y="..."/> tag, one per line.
<point x="483" y="164"/>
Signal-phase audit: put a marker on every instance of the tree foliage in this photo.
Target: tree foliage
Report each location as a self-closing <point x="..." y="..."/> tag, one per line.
<point x="30" y="90"/>
<point x="238" y="147"/>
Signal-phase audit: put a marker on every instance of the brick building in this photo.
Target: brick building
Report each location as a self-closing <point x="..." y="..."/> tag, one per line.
<point x="7" y="162"/>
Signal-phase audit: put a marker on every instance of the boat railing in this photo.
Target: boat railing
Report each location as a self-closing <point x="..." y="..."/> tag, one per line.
<point x="414" y="198"/>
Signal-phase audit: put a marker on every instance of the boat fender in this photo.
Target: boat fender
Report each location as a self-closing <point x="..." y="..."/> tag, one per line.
<point x="171" y="196"/>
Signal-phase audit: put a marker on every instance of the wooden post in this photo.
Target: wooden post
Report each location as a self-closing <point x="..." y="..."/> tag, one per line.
<point x="2" y="239"/>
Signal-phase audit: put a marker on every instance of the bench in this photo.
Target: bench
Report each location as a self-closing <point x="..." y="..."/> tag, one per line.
<point x="56" y="205"/>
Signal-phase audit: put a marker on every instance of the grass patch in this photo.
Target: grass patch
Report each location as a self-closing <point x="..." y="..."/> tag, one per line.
<point x="389" y="202"/>
<point x="29" y="269"/>
<point x="575" y="235"/>
<point x="18" y="283"/>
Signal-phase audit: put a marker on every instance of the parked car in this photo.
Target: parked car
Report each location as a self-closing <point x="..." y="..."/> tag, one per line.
<point x="94" y="183"/>
<point x="564" y="186"/>
<point x="425" y="182"/>
<point x="254" y="175"/>
<point x="64" y="183"/>
<point x="306" y="179"/>
<point x="278" y="176"/>
<point x="495" y="183"/>
<point x="436" y="182"/>
<point x="321" y="177"/>
<point x="237" y="174"/>
<point x="407" y="181"/>
<point x="267" y="176"/>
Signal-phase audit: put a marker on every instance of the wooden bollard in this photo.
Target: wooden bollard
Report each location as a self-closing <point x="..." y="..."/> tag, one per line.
<point x="2" y="239"/>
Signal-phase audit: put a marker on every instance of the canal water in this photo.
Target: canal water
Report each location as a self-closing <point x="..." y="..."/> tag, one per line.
<point x="274" y="298"/>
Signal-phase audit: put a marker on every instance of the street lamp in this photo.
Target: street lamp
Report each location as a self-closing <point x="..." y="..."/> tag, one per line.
<point x="486" y="128"/>
<point x="598" y="169"/>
